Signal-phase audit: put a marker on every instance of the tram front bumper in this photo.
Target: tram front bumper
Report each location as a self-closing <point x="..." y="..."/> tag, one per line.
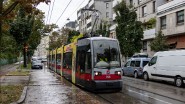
<point x="117" y="84"/>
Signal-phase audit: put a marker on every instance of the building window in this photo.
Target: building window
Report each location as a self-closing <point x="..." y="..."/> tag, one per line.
<point x="107" y="14"/>
<point x="154" y="7"/>
<point x="107" y="5"/>
<point x="144" y="45"/>
<point x="131" y="2"/>
<point x="144" y="11"/>
<point x="180" y="17"/>
<point x="138" y="1"/>
<point x="163" y="22"/>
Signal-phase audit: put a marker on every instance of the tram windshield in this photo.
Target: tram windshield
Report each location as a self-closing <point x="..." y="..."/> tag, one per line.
<point x="106" y="54"/>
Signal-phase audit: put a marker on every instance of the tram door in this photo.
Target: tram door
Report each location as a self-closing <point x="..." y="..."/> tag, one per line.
<point x="83" y="64"/>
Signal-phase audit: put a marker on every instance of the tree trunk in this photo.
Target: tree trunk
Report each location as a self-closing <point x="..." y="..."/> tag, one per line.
<point x="24" y="52"/>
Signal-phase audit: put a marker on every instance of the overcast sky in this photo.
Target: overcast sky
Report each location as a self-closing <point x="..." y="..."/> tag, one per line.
<point x="58" y="8"/>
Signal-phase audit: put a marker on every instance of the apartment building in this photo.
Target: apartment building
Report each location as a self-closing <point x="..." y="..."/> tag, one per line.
<point x="170" y="19"/>
<point x="146" y="13"/>
<point x="42" y="47"/>
<point x="86" y="18"/>
<point x="114" y="24"/>
<point x="70" y="25"/>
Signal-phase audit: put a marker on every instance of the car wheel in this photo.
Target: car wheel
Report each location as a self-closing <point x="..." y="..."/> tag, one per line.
<point x="145" y="76"/>
<point x="123" y="74"/>
<point x="135" y="75"/>
<point x="178" y="82"/>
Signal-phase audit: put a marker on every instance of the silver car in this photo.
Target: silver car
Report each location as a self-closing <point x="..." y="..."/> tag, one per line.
<point x="134" y="67"/>
<point x="37" y="64"/>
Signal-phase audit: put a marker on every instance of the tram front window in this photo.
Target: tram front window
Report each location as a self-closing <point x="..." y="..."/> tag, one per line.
<point x="106" y="54"/>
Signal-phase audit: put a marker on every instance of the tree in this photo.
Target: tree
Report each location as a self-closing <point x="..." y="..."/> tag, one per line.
<point x="103" y="29"/>
<point x="159" y="43"/>
<point x="21" y="30"/>
<point x="71" y="34"/>
<point x="129" y="31"/>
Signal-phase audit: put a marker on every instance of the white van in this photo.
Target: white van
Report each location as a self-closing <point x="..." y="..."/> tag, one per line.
<point x="167" y="66"/>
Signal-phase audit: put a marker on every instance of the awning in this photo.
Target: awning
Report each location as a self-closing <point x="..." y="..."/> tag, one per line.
<point x="180" y="45"/>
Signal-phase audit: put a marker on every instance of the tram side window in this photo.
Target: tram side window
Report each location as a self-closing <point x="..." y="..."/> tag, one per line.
<point x="84" y="59"/>
<point x="53" y="58"/>
<point x="68" y="60"/>
<point x="58" y="58"/>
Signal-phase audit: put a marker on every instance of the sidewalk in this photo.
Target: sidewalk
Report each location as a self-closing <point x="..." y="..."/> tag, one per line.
<point x="46" y="87"/>
<point x="9" y="82"/>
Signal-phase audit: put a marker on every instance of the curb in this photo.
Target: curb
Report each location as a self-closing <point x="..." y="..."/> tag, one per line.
<point x="23" y="96"/>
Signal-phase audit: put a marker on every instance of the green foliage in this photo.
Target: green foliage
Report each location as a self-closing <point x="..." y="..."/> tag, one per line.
<point x="21" y="28"/>
<point x="71" y="34"/>
<point x="129" y="31"/>
<point x="35" y="37"/>
<point x="103" y="30"/>
<point x="159" y="43"/>
<point x="150" y="23"/>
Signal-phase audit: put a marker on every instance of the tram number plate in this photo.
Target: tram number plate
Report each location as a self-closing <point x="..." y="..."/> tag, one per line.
<point x="109" y="84"/>
<point x="108" y="76"/>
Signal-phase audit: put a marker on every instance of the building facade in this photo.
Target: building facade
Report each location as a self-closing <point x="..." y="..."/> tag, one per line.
<point x="86" y="18"/>
<point x="170" y="20"/>
<point x="42" y="47"/>
<point x="70" y="25"/>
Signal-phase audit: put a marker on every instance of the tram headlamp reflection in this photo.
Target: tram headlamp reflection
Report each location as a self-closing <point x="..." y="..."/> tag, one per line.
<point x="97" y="73"/>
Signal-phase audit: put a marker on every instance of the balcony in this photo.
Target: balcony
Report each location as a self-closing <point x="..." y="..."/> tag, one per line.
<point x="91" y="3"/>
<point x="170" y="6"/>
<point x="114" y="16"/>
<point x="149" y="34"/>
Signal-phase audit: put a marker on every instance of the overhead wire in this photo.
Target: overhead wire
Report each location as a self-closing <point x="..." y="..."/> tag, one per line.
<point x="51" y="10"/>
<point x="63" y="11"/>
<point x="48" y="13"/>
<point x="75" y="10"/>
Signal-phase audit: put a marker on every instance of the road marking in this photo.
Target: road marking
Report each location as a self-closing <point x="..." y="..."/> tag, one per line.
<point x="150" y="97"/>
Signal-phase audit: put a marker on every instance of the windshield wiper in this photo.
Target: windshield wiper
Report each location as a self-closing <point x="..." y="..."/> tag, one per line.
<point x="102" y="67"/>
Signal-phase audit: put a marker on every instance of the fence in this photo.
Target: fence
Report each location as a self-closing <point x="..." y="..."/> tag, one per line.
<point x="7" y="61"/>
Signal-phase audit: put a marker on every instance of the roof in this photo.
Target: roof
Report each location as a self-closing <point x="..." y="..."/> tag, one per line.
<point x="168" y="53"/>
<point x="140" y="58"/>
<point x="101" y="38"/>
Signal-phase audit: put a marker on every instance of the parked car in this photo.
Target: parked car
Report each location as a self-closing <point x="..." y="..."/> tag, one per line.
<point x="37" y="64"/>
<point x="167" y="66"/>
<point x="134" y="67"/>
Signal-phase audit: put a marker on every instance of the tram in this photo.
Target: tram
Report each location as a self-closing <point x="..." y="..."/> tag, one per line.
<point x="93" y="63"/>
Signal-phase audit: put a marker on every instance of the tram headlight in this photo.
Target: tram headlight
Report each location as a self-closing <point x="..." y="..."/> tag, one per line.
<point x="97" y="73"/>
<point x="118" y="72"/>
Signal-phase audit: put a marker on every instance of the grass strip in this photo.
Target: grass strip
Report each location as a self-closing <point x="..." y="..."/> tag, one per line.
<point x="10" y="93"/>
<point x="19" y="73"/>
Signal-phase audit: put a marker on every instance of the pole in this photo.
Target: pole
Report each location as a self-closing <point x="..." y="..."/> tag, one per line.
<point x="93" y="26"/>
<point x="1" y="7"/>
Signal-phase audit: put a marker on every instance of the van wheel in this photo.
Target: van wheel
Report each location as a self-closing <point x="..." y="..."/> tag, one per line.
<point x="145" y="76"/>
<point x="178" y="82"/>
<point x="135" y="75"/>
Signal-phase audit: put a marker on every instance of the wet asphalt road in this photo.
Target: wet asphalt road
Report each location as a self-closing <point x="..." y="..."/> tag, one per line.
<point x="46" y="87"/>
<point x="154" y="92"/>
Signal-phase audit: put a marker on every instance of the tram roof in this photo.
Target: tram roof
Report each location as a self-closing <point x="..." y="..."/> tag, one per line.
<point x="101" y="38"/>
